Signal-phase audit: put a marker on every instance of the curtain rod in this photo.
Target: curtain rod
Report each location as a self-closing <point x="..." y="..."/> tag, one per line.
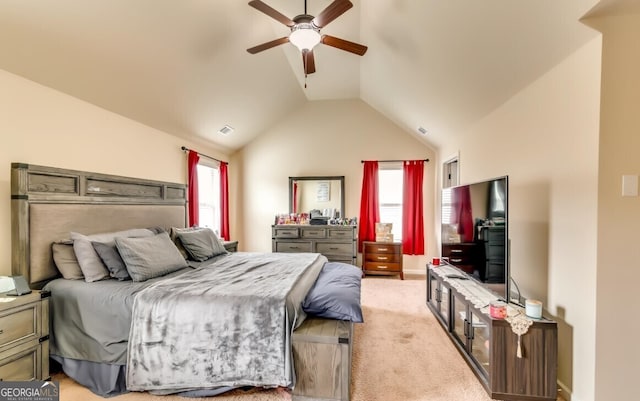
<point x="391" y="161"/>
<point x="185" y="149"/>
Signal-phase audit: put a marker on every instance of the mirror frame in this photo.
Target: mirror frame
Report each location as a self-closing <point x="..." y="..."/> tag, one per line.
<point x="319" y="178"/>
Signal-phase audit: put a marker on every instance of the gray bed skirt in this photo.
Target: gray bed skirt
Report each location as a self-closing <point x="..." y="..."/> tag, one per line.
<point x="107" y="380"/>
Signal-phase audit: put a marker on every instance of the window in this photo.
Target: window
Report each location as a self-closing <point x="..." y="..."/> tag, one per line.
<point x="209" y="197"/>
<point x="390" y="180"/>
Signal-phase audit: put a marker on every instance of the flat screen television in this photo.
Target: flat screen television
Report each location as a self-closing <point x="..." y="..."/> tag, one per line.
<point x="475" y="231"/>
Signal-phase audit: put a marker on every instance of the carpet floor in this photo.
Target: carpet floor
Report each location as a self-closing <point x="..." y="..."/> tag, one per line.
<point x="400" y="353"/>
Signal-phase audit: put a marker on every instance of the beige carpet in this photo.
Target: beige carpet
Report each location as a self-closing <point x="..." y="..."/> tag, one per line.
<point x="400" y="353"/>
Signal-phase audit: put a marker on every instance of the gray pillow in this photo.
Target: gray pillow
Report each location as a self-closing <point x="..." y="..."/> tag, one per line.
<point x="112" y="259"/>
<point x="336" y="293"/>
<point x="150" y="257"/>
<point x="201" y="244"/>
<point x="89" y="261"/>
<point x="66" y="261"/>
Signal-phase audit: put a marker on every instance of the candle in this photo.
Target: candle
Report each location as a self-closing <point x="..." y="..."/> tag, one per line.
<point x="533" y="308"/>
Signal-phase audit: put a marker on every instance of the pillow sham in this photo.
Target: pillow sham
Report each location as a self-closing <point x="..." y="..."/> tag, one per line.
<point x="149" y="257"/>
<point x="201" y="244"/>
<point x="336" y="293"/>
<point x="65" y="260"/>
<point x="112" y="259"/>
<point x="90" y="263"/>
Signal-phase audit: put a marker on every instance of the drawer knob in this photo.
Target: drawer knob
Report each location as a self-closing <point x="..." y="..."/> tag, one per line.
<point x="334" y="248"/>
<point x="382" y="258"/>
<point x="382" y="249"/>
<point x="383" y="267"/>
<point x="456" y="251"/>
<point x="456" y="260"/>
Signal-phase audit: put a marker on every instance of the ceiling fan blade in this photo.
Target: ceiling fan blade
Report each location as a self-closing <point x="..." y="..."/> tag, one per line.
<point x="333" y="11"/>
<point x="268" y="45"/>
<point x="309" y="62"/>
<point x="345" y="45"/>
<point x="260" y="6"/>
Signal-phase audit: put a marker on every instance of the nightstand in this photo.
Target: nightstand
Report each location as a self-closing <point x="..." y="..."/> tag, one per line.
<point x="24" y="337"/>
<point x="231" y="246"/>
<point x="382" y="258"/>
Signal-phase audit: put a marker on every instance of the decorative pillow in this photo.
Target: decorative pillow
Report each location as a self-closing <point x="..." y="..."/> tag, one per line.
<point x="112" y="259"/>
<point x="89" y="261"/>
<point x="201" y="244"/>
<point x="336" y="293"/>
<point x="176" y="241"/>
<point x="65" y="260"/>
<point x="149" y="257"/>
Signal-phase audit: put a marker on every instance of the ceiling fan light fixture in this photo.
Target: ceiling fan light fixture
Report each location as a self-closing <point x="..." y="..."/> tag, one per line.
<point x="304" y="36"/>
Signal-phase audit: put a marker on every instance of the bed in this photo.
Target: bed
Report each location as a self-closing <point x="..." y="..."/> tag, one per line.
<point x="97" y="328"/>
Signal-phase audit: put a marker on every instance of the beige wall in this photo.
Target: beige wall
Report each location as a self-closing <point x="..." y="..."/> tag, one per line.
<point x="546" y="140"/>
<point x="41" y="126"/>
<point x="617" y="359"/>
<point x="323" y="138"/>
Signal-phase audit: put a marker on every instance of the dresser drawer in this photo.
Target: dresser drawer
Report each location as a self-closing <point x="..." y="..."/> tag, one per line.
<point x="19" y="324"/>
<point x="342" y="234"/>
<point x="327" y="248"/>
<point x="314" y="233"/>
<point x="288" y="232"/>
<point x="283" y="246"/>
<point x="382" y="267"/>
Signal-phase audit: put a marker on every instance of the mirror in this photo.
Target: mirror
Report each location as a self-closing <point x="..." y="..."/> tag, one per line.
<point x="324" y="193"/>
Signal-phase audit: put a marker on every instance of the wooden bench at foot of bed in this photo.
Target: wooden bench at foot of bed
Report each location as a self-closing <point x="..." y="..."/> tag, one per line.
<point x="322" y="359"/>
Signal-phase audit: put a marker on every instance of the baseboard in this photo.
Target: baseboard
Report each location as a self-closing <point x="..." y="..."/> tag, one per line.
<point x="421" y="272"/>
<point x="564" y="391"/>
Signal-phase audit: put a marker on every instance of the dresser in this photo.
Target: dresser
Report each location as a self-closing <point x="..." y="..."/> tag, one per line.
<point x="382" y="258"/>
<point x="463" y="255"/>
<point x="337" y="243"/>
<point x="24" y="337"/>
<point x="494" y="247"/>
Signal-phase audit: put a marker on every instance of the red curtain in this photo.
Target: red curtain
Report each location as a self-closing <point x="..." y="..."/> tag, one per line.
<point x="412" y="209"/>
<point x="194" y="218"/>
<point x="462" y="213"/>
<point x="224" y="201"/>
<point x="295" y="197"/>
<point x="369" y="208"/>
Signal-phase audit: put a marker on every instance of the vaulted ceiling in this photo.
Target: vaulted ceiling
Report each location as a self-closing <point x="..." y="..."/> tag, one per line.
<point x="182" y="66"/>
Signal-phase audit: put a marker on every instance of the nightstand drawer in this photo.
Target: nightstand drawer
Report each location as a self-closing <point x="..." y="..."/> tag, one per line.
<point x="383" y="257"/>
<point x="382" y="267"/>
<point x="23" y="364"/>
<point x="19" y="324"/>
<point x="382" y="248"/>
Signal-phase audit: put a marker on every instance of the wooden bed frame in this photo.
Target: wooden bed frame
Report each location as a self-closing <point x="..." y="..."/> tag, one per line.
<point x="47" y="203"/>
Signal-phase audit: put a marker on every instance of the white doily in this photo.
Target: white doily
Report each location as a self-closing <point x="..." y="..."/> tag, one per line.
<point x="480" y="297"/>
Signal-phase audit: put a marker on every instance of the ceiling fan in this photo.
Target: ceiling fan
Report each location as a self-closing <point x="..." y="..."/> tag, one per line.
<point x="305" y="32"/>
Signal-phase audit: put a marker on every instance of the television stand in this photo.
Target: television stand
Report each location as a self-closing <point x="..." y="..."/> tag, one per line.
<point x="509" y="368"/>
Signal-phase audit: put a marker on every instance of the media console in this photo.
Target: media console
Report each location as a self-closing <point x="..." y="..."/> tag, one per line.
<point x="510" y="367"/>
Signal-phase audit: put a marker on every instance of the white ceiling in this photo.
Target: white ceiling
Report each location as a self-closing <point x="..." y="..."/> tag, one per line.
<point x="181" y="65"/>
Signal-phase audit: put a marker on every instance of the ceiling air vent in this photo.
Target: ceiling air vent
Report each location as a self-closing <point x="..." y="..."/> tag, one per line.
<point x="422" y="130"/>
<point x="226" y="130"/>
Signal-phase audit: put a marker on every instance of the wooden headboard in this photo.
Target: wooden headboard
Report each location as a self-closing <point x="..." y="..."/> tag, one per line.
<point x="48" y="203"/>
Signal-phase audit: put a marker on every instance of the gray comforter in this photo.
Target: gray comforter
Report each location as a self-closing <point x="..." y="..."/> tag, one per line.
<point x="225" y="324"/>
